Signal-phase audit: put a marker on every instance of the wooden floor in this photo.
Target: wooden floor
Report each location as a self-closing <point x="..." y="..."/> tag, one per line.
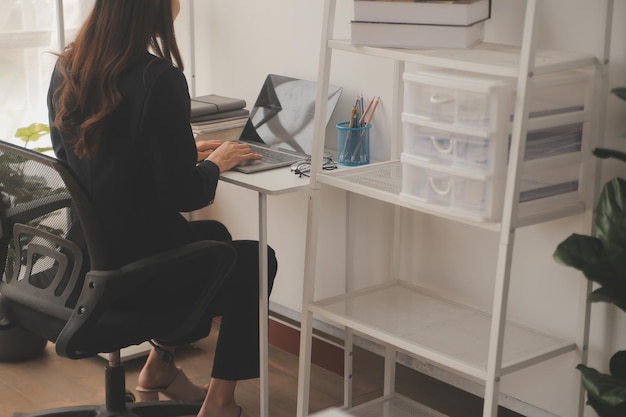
<point x="51" y="381"/>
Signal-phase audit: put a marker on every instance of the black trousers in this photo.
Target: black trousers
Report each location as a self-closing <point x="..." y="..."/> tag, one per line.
<point x="237" y="303"/>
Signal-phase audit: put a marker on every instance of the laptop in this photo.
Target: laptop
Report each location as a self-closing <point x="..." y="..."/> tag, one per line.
<point x="280" y="125"/>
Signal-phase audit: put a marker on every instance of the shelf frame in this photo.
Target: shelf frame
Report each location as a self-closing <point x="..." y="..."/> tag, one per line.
<point x="355" y="180"/>
<point x="522" y="64"/>
<point x="475" y="59"/>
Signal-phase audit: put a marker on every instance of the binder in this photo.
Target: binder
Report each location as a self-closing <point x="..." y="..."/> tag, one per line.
<point x="213" y="104"/>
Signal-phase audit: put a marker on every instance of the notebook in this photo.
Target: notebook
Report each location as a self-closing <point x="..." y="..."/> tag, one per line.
<point x="280" y="125"/>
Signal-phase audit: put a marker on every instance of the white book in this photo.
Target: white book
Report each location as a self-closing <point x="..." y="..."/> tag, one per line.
<point x="426" y="12"/>
<point x="413" y="36"/>
<point x="219" y="125"/>
<point x="232" y="133"/>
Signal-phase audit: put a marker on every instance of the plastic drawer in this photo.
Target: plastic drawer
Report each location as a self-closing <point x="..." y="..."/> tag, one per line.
<point x="481" y="197"/>
<point x="472" y="152"/>
<point x="475" y="101"/>
<point x="559" y="93"/>
<point x="460" y="150"/>
<point x="549" y="182"/>
<point x="455" y="98"/>
<point x="468" y="196"/>
<point x="553" y="141"/>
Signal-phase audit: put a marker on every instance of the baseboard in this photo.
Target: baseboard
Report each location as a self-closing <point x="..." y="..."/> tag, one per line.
<point x="285" y="336"/>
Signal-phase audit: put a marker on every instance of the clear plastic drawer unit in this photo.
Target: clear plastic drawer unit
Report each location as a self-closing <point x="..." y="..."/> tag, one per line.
<point x="457" y="136"/>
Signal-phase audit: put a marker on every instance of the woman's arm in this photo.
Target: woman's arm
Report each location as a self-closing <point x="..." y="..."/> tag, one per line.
<point x="181" y="181"/>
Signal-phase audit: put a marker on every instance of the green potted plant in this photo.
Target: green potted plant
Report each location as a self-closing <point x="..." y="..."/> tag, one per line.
<point x="15" y="342"/>
<point x="14" y="183"/>
<point x="602" y="259"/>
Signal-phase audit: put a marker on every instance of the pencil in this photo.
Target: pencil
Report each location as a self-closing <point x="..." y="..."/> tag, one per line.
<point x="353" y="116"/>
<point x="351" y="125"/>
<point x="374" y="103"/>
<point x="369" y="119"/>
<point x="369" y="105"/>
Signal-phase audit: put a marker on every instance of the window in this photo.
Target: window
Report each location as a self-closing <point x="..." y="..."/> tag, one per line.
<point x="29" y="32"/>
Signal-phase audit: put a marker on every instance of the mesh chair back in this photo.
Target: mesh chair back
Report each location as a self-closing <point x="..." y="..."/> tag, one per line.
<point x="41" y="265"/>
<point x="68" y="295"/>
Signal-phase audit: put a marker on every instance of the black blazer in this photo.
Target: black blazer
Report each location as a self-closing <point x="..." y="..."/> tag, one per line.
<point x="144" y="173"/>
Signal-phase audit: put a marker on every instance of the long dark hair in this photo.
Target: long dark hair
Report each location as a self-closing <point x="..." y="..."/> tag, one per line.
<point x="116" y="35"/>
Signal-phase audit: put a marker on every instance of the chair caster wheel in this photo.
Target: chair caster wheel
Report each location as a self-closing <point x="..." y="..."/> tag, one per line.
<point x="129" y="397"/>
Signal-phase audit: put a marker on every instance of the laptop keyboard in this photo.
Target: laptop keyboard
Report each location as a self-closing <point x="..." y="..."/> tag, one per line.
<point x="273" y="156"/>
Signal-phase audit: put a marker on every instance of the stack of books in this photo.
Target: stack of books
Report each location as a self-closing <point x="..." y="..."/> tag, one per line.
<point x="218" y="117"/>
<point x="419" y="24"/>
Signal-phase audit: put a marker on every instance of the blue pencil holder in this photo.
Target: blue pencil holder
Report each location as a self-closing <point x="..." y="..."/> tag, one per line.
<point x="353" y="144"/>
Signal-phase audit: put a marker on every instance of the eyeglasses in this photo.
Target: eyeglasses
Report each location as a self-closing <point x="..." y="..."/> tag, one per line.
<point x="303" y="168"/>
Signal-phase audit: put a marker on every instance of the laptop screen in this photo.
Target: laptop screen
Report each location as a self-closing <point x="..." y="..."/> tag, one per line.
<point x="282" y="116"/>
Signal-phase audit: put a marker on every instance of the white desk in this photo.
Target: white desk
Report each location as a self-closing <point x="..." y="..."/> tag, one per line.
<point x="273" y="182"/>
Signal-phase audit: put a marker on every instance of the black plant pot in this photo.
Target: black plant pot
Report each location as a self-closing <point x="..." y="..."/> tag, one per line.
<point x="17" y="344"/>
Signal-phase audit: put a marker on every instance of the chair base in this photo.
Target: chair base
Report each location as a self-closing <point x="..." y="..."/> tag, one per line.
<point x="142" y="409"/>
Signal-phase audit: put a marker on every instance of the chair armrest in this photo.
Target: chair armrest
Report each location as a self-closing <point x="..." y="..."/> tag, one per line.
<point x="102" y="288"/>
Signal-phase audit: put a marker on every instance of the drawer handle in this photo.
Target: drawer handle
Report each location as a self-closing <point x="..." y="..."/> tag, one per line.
<point x="442" y="149"/>
<point x="445" y="190"/>
<point x="441" y="99"/>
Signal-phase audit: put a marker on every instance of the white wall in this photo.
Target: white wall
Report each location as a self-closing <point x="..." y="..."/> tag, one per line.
<point x="239" y="41"/>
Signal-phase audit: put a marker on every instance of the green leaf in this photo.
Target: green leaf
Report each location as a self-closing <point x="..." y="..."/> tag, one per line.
<point x="617" y="364"/>
<point x="578" y="251"/>
<point x="6" y="159"/>
<point x="605" y="389"/>
<point x="608" y="271"/>
<point x="604" y="410"/>
<point x="605" y="153"/>
<point x="42" y="149"/>
<point x="33" y="132"/>
<point x="610" y="217"/>
<point x="619" y="92"/>
<point x="607" y="295"/>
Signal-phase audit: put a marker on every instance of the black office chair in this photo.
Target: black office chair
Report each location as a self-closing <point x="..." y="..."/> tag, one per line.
<point x="45" y="289"/>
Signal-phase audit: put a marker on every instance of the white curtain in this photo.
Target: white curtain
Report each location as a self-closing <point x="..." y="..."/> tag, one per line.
<point x="28" y="35"/>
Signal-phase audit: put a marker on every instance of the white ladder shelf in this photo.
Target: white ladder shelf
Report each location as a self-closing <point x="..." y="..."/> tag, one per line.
<point x="360" y="311"/>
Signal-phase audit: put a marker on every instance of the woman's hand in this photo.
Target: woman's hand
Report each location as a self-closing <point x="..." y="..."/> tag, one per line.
<point x="205" y="147"/>
<point x="226" y="155"/>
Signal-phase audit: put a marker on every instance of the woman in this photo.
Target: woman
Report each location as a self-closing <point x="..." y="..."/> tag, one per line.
<point x="119" y="116"/>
